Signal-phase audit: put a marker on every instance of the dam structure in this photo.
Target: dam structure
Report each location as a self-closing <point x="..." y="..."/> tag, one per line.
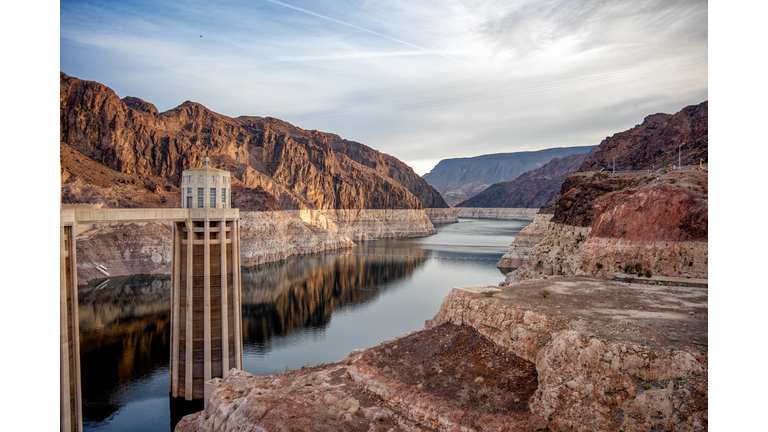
<point x="206" y="311"/>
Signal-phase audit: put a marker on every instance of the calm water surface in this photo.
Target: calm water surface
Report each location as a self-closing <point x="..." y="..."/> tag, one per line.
<point x="304" y="310"/>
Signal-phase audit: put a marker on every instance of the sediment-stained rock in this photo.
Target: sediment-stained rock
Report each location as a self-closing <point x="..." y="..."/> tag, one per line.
<point x="273" y="236"/>
<point x="124" y="249"/>
<point x="441" y="215"/>
<point x="524" y="241"/>
<point x="369" y="224"/>
<point x="639" y="223"/>
<point x="558" y="253"/>
<point x="496" y="213"/>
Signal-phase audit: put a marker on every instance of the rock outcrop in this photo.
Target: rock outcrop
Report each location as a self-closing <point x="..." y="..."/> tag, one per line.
<point x="587" y="355"/>
<point x="274" y="236"/>
<point x="524" y="241"/>
<point x="300" y="169"/>
<point x="496" y="213"/>
<point x="631" y="223"/>
<point x="531" y="189"/>
<point x="441" y="215"/>
<point x="462" y="178"/>
<point x="369" y="224"/>
<point x="647" y="223"/>
<point x="124" y="249"/>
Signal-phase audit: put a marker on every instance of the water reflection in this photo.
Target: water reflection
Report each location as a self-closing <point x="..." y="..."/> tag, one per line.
<point x="124" y="338"/>
<point x="304" y="292"/>
<point x="125" y="323"/>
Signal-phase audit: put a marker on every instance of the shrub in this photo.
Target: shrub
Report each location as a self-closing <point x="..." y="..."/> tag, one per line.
<point x="648" y="273"/>
<point x="629" y="279"/>
<point x="639" y="268"/>
<point x="489" y="293"/>
<point x="599" y="266"/>
<point x="544" y="293"/>
<point x="600" y="175"/>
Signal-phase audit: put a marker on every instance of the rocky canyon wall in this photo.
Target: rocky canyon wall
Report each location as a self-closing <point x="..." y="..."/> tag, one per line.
<point x="644" y="224"/>
<point x="299" y="169"/>
<point x="369" y="224"/>
<point x="524" y="241"/>
<point x="441" y="215"/>
<point x="274" y="236"/>
<point x="647" y="223"/>
<point x="496" y="213"/>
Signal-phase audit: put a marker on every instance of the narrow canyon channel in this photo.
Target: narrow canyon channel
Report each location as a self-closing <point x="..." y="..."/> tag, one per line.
<point x="303" y="310"/>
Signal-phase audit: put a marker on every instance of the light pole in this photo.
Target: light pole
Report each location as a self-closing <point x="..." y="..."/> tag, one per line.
<point x="614" y="164"/>
<point x="679" y="152"/>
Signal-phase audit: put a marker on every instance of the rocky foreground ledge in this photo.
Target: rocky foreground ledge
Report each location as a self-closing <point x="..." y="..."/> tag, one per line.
<point x="555" y="355"/>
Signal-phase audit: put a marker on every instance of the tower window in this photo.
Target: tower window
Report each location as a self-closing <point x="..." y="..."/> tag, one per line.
<point x="200" y="198"/>
<point x="224" y="197"/>
<point x="213" y="197"/>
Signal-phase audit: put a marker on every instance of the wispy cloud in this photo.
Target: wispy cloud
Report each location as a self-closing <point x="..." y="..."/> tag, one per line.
<point x="364" y="30"/>
<point x="546" y="73"/>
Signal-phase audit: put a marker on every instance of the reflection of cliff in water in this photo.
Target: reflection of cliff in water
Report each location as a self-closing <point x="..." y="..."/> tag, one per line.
<point x="124" y="337"/>
<point x="303" y="292"/>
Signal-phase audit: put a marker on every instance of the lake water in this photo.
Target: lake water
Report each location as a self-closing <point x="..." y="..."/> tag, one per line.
<point x="303" y="310"/>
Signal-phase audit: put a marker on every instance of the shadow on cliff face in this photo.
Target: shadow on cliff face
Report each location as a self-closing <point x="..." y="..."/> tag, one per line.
<point x="303" y="293"/>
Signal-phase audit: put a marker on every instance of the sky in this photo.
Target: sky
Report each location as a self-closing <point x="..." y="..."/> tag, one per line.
<point x="419" y="80"/>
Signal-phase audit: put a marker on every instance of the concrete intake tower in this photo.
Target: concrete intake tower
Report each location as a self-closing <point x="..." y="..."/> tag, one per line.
<point x="206" y="317"/>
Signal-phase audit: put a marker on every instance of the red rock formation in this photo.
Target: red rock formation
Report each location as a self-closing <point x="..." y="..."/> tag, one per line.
<point x="299" y="168"/>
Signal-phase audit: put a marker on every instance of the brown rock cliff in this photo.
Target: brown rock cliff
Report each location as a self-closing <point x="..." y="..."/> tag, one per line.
<point x="299" y="168"/>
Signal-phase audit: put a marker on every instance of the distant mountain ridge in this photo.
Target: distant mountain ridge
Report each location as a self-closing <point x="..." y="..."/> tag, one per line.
<point x="531" y="189"/>
<point x="459" y="179"/>
<point x="272" y="161"/>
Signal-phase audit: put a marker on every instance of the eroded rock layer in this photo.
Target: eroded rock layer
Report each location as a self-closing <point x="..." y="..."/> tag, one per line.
<point x="274" y="236"/>
<point x="441" y="215"/>
<point x="647" y="224"/>
<point x="524" y="241"/>
<point x="369" y="224"/>
<point x="496" y="213"/>
<point x="609" y="356"/>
